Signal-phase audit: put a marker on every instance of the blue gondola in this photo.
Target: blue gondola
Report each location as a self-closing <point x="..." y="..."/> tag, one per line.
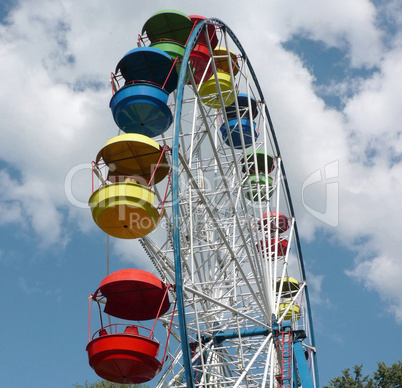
<point x="140" y="106"/>
<point x="247" y="124"/>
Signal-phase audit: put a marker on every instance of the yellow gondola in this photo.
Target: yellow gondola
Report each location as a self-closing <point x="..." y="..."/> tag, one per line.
<point x="125" y="210"/>
<point x="134" y="155"/>
<point x="293" y="314"/>
<point x="290" y="286"/>
<point x="210" y="88"/>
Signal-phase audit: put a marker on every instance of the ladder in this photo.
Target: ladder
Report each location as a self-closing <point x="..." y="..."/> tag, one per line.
<point x="284" y="351"/>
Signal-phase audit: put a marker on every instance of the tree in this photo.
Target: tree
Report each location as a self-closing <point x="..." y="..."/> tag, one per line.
<point x="347" y="381"/>
<point x="384" y="377"/>
<point x="108" y="384"/>
<point x="389" y="377"/>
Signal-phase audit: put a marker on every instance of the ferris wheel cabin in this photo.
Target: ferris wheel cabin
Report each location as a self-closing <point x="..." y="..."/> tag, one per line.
<point x="169" y="31"/>
<point x="140" y="105"/>
<point x="123" y="206"/>
<point x="134" y="155"/>
<point x="210" y="90"/>
<point x="277" y="248"/>
<point x="129" y="356"/>
<point x="241" y="124"/>
<point x="199" y="56"/>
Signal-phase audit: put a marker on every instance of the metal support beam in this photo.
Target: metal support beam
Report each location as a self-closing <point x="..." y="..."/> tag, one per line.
<point x="302" y="366"/>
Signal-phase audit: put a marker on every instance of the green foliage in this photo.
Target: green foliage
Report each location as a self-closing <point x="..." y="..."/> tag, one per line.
<point x="384" y="377"/>
<point x="389" y="377"/>
<point x="108" y="384"/>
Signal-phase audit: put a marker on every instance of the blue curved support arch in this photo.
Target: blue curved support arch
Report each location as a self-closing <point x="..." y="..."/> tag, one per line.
<point x="175" y="207"/>
<point x="182" y="81"/>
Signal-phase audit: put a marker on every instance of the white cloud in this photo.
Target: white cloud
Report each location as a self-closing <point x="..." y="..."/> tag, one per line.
<point x="382" y="274"/>
<point x="39" y="288"/>
<point x="349" y="26"/>
<point x="372" y="184"/>
<point x="47" y="126"/>
<point x="316" y="291"/>
<point x="131" y="252"/>
<point x="374" y="115"/>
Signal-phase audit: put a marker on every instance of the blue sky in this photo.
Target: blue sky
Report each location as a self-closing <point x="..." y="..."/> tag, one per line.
<point x="332" y="76"/>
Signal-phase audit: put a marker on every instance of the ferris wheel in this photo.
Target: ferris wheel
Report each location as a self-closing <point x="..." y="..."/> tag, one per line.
<point x="211" y="208"/>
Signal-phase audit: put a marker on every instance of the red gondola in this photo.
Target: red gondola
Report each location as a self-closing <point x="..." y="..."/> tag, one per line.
<point x="128" y="356"/>
<point x="280" y="247"/>
<point x="199" y="56"/>
<point x="124" y="358"/>
<point x="133" y="294"/>
<point x="277" y="222"/>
